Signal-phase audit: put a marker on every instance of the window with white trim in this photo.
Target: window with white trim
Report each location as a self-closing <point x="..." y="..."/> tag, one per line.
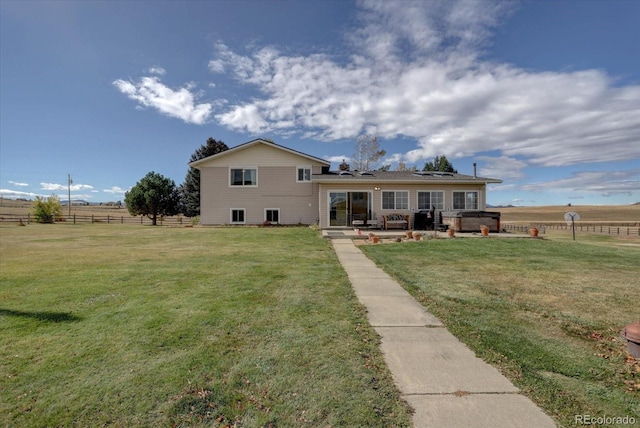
<point x="243" y="177"/>
<point x="397" y="200"/>
<point x="238" y="216"/>
<point x="303" y="174"/>
<point x="427" y="200"/>
<point x="465" y="200"/>
<point x="272" y="215"/>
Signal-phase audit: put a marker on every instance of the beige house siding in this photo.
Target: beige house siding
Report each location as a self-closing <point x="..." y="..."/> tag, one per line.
<point x="277" y="189"/>
<point x="413" y="189"/>
<point x="258" y="154"/>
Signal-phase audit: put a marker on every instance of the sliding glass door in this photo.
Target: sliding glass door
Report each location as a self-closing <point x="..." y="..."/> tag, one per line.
<point x="344" y="207"/>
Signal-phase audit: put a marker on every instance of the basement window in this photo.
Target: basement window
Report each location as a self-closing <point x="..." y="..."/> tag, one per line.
<point x="238" y="216"/>
<point x="272" y="215"/>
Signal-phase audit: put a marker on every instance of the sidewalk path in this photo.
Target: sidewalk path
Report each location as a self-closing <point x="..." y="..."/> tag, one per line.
<point x="446" y="384"/>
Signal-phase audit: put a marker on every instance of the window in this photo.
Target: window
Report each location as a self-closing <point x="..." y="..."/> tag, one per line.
<point x="304" y="174"/>
<point x="237" y="216"/>
<point x="272" y="215"/>
<point x="426" y="200"/>
<point x="395" y="200"/>
<point x="465" y="200"/>
<point x="243" y="177"/>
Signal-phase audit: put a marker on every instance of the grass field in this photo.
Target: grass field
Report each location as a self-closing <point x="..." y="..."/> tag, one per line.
<point x="548" y="313"/>
<point x="154" y="326"/>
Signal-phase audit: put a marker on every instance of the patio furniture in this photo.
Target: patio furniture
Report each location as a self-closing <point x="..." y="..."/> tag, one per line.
<point x="395" y="221"/>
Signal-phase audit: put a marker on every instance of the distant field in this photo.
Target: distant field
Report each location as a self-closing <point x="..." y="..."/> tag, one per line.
<point x="588" y="213"/>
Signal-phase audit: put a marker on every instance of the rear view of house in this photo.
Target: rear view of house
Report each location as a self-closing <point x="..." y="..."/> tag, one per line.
<point x="256" y="182"/>
<point x="261" y="181"/>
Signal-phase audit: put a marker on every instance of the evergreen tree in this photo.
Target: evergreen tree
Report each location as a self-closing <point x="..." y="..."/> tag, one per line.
<point x="154" y="195"/>
<point x="440" y="163"/>
<point x="190" y="189"/>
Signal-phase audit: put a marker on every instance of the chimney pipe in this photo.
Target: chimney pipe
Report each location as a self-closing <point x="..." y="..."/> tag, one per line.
<point x="474" y="171"/>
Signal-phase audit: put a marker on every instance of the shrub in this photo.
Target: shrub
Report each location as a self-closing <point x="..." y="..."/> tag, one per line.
<point x="47" y="210"/>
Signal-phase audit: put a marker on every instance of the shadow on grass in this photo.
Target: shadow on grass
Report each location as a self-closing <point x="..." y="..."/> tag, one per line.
<point x="41" y="316"/>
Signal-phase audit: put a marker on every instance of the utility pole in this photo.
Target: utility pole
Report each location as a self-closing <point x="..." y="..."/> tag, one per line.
<point x="69" y="181"/>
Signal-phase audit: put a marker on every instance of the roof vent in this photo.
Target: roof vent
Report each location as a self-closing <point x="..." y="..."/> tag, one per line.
<point x="365" y="173"/>
<point x="345" y="173"/>
<point x="422" y="173"/>
<point x="443" y="174"/>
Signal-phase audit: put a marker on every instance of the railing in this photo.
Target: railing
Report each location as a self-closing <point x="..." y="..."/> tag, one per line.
<point x="108" y="219"/>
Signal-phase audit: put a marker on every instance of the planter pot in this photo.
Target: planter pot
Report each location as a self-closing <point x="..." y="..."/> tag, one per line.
<point x="631" y="333"/>
<point x="417" y="236"/>
<point x="451" y="233"/>
<point x="484" y="231"/>
<point x="409" y="234"/>
<point x="375" y="239"/>
<point x="533" y="231"/>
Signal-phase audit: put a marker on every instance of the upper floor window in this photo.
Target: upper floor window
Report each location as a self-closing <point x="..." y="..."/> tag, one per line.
<point x="395" y="200"/>
<point x="428" y="200"/>
<point x="243" y="177"/>
<point x="304" y="174"/>
<point x="465" y="200"/>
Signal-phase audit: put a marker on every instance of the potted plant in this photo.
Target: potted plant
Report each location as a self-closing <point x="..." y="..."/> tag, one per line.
<point x="417" y="236"/>
<point x="409" y="234"/>
<point x="533" y="231"/>
<point x="484" y="230"/>
<point x="451" y="232"/>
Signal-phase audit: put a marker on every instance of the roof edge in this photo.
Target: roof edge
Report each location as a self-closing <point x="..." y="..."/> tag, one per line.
<point x="251" y="143"/>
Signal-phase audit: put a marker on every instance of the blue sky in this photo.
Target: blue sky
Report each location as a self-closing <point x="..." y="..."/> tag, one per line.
<point x="544" y="95"/>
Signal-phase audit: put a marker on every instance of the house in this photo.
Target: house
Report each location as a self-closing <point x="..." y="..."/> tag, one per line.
<point x="261" y="181"/>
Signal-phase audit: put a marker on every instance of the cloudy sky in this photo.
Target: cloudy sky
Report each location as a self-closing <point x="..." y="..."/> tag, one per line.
<point x="543" y="95"/>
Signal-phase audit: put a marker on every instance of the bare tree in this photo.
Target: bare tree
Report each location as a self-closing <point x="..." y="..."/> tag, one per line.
<point x="368" y="153"/>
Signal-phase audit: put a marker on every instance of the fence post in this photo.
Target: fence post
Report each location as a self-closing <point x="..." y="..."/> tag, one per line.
<point x="121" y="219"/>
<point x="91" y="218"/>
<point x="74" y="218"/>
<point x="29" y="218"/>
<point x="108" y="219"/>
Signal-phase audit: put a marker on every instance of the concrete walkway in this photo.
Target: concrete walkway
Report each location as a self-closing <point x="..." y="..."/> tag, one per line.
<point x="446" y="384"/>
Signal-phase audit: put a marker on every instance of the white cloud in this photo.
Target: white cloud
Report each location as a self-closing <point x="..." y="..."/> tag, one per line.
<point x="115" y="190"/>
<point x="337" y="159"/>
<point x="15" y="183"/>
<point x="503" y="166"/>
<point x="602" y="183"/>
<point x="417" y="71"/>
<point x="157" y="70"/>
<point x="64" y="187"/>
<point x="180" y="103"/>
<point x="15" y="194"/>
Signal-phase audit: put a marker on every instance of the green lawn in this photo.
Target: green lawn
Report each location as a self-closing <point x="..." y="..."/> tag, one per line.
<point x="154" y="326"/>
<point x="547" y="313"/>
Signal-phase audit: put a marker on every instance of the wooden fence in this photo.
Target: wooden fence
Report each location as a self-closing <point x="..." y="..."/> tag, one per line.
<point x="104" y="219"/>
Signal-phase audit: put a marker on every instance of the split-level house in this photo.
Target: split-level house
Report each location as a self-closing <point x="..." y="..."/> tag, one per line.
<point x="261" y="181"/>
